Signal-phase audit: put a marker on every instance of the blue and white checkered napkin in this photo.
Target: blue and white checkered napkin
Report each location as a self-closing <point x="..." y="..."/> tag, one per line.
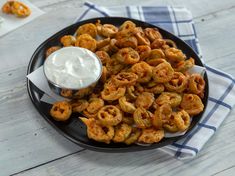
<point x="178" y="20"/>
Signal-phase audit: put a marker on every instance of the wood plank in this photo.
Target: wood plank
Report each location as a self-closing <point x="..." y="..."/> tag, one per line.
<point x="24" y="41"/>
<point x="199" y="8"/>
<point x="150" y="163"/>
<point x="216" y="37"/>
<point x="26" y="139"/>
<point x="228" y="172"/>
<point x="47" y="3"/>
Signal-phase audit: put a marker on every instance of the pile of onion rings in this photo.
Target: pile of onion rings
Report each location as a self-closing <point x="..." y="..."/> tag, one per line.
<point x="145" y="89"/>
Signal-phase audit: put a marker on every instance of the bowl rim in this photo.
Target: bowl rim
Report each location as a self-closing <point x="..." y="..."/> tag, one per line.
<point x="68" y="88"/>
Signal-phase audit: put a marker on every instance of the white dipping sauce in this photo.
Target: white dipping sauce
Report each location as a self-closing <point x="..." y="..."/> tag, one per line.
<point x="72" y="68"/>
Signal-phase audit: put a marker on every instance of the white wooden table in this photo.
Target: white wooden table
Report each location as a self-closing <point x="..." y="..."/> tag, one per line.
<point x="30" y="146"/>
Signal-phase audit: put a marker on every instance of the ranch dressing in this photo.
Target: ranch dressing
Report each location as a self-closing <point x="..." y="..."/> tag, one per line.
<point x="72" y="68"/>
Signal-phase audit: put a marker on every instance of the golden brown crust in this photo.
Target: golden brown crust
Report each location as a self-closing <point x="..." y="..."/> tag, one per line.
<point x="17" y="8"/>
<point x="145" y="88"/>
<point x="51" y="50"/>
<point x="61" y="111"/>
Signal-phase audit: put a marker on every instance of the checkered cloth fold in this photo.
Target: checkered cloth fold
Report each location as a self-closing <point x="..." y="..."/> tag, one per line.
<point x="178" y="20"/>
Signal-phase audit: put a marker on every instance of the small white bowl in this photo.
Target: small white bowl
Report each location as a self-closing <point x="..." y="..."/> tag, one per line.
<point x="72" y="68"/>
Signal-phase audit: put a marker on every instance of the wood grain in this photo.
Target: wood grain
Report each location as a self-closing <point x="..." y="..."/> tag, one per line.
<point x="25" y="137"/>
<point x="149" y="163"/>
<point x="27" y="142"/>
<point x="216" y="36"/>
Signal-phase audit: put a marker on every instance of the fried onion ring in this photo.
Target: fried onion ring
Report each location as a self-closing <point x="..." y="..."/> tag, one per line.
<point x="126" y="106"/>
<point x="155" y="88"/>
<point x="6" y="8"/>
<point x="109" y="30"/>
<point x="151" y="135"/>
<point x="79" y="105"/>
<point x="171" y="98"/>
<point x="163" y="72"/>
<point x="51" y="50"/>
<point x="170" y="124"/>
<point x="156" y="54"/>
<point x="122" y="132"/>
<point x="111" y="92"/>
<point x="177" y="83"/>
<point x="127" y="56"/>
<point x="192" y="104"/>
<point x="152" y="34"/>
<point x="125" y="42"/>
<point x="196" y="84"/>
<point x="144" y="51"/>
<point x="109" y="115"/>
<point x="20" y="9"/>
<point x="104" y="75"/>
<point x="183" y="66"/>
<point x="88" y="28"/>
<point x="95" y="104"/>
<point x="114" y="66"/>
<point x="125" y="79"/>
<point x="127" y="25"/>
<point x="174" y="55"/>
<point x="156" y="62"/>
<point x="102" y="43"/>
<point x="143" y="70"/>
<point x="145" y="100"/>
<point x="161" y="115"/>
<point x="83" y="92"/>
<point x="128" y="120"/>
<point x="182" y="120"/>
<point x="133" y="137"/>
<point x="158" y="44"/>
<point x="68" y="40"/>
<point x="86" y="41"/>
<point x="61" y="111"/>
<point x="142" y="118"/>
<point x="103" y="56"/>
<point x="66" y="93"/>
<point x="141" y="38"/>
<point x="97" y="132"/>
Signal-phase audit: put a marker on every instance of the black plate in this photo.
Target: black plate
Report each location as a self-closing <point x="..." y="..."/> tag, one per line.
<point x="74" y="129"/>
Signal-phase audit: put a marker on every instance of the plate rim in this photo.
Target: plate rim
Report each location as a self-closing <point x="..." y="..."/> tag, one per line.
<point x="133" y="148"/>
